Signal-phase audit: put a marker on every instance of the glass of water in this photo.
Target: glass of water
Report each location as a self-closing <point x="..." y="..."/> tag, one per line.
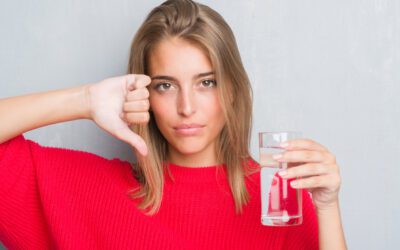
<point x="281" y="205"/>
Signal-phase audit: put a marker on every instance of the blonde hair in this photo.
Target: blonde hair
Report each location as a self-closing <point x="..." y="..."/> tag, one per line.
<point x="204" y="27"/>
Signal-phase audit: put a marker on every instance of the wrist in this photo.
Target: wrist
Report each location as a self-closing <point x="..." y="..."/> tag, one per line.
<point x="81" y="95"/>
<point x="328" y="209"/>
<point x="330" y="229"/>
<point x="87" y="101"/>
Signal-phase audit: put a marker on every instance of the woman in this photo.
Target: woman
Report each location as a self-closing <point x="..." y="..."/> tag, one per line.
<point x="195" y="186"/>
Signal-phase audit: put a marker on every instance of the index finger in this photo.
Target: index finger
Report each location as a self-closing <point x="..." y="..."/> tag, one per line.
<point x="307" y="144"/>
<point x="137" y="81"/>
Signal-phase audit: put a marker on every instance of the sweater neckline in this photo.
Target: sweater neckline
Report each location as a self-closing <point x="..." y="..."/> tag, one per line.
<point x="198" y="174"/>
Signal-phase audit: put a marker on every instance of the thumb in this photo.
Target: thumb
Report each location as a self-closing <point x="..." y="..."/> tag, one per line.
<point x="128" y="136"/>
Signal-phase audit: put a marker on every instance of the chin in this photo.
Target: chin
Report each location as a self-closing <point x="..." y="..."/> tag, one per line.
<point x="189" y="151"/>
<point x="189" y="148"/>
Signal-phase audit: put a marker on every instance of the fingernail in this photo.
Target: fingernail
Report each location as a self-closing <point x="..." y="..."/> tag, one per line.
<point x="282" y="173"/>
<point x="293" y="183"/>
<point x="276" y="157"/>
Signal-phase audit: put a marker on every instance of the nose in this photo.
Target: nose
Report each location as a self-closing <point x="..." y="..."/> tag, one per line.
<point x="186" y="102"/>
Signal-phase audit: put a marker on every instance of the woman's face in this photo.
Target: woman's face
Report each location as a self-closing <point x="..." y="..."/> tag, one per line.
<point x="184" y="101"/>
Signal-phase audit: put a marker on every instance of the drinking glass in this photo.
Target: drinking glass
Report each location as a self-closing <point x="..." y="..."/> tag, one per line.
<point x="281" y="205"/>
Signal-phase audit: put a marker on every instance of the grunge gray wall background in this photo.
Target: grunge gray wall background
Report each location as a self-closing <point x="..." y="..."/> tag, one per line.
<point x="328" y="68"/>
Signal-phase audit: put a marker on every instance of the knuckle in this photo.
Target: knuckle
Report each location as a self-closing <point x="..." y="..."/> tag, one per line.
<point x="146" y="93"/>
<point x="308" y="155"/>
<point x="142" y="105"/>
<point x="292" y="172"/>
<point x="330" y="157"/>
<point x="336" y="181"/>
<point x="130" y="117"/>
<point x="309" y="142"/>
<point x="323" y="168"/>
<point x="303" y="170"/>
<point x="137" y="118"/>
<point x="303" y="182"/>
<point x="286" y="155"/>
<point x="143" y="117"/>
<point x="139" y="94"/>
<point x="315" y="181"/>
<point x="131" y="96"/>
<point x="146" y="117"/>
<point x="333" y="168"/>
<point x="317" y="169"/>
<point x="125" y="107"/>
<point x="146" y="104"/>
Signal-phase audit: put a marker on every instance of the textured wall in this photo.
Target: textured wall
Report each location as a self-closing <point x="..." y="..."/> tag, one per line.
<point x="328" y="68"/>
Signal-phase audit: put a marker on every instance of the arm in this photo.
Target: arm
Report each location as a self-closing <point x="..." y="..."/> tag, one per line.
<point x="21" y="211"/>
<point x="330" y="229"/>
<point x="24" y="113"/>
<point x="113" y="104"/>
<point x="319" y="174"/>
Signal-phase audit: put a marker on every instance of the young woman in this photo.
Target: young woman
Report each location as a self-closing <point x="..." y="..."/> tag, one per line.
<point x="185" y="107"/>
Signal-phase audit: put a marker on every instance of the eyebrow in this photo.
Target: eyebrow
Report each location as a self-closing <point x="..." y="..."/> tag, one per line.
<point x="170" y="78"/>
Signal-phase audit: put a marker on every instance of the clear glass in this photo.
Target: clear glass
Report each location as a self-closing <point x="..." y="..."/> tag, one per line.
<point x="281" y="205"/>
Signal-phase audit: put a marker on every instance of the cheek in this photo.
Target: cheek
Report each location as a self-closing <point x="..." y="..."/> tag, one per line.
<point x="161" y="108"/>
<point x="214" y="111"/>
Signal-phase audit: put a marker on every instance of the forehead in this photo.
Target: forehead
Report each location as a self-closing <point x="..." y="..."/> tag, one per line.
<point x="177" y="56"/>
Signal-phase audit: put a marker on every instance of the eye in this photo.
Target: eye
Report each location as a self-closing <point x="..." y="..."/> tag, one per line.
<point x="209" y="83"/>
<point x="164" y="86"/>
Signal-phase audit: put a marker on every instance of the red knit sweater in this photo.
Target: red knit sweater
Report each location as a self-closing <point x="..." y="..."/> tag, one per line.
<point x="54" y="198"/>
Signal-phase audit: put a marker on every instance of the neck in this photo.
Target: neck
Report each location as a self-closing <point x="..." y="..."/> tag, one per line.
<point x="195" y="160"/>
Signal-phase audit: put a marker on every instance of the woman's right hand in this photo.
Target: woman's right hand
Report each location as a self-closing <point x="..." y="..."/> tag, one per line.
<point x="118" y="102"/>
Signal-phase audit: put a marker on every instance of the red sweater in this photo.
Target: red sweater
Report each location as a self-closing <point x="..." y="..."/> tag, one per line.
<point x="54" y="198"/>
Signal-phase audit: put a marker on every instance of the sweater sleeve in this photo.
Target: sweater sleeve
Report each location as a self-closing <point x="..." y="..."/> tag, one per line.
<point x="22" y="224"/>
<point x="304" y="236"/>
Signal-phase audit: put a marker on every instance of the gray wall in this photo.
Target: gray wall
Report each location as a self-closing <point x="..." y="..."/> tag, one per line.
<point x="328" y="68"/>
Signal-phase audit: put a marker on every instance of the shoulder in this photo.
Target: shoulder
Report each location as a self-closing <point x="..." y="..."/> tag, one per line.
<point x="21" y="146"/>
<point x="58" y="155"/>
<point x="63" y="166"/>
<point x="52" y="162"/>
<point x="251" y="168"/>
<point x="252" y="175"/>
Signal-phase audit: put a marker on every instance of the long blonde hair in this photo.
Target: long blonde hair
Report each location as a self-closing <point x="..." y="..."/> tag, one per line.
<point x="204" y="27"/>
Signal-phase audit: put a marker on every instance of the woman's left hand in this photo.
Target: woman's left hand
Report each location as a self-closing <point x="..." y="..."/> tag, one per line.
<point x="317" y="168"/>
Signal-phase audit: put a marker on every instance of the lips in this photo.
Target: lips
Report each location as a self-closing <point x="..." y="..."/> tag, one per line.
<point x="189" y="129"/>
